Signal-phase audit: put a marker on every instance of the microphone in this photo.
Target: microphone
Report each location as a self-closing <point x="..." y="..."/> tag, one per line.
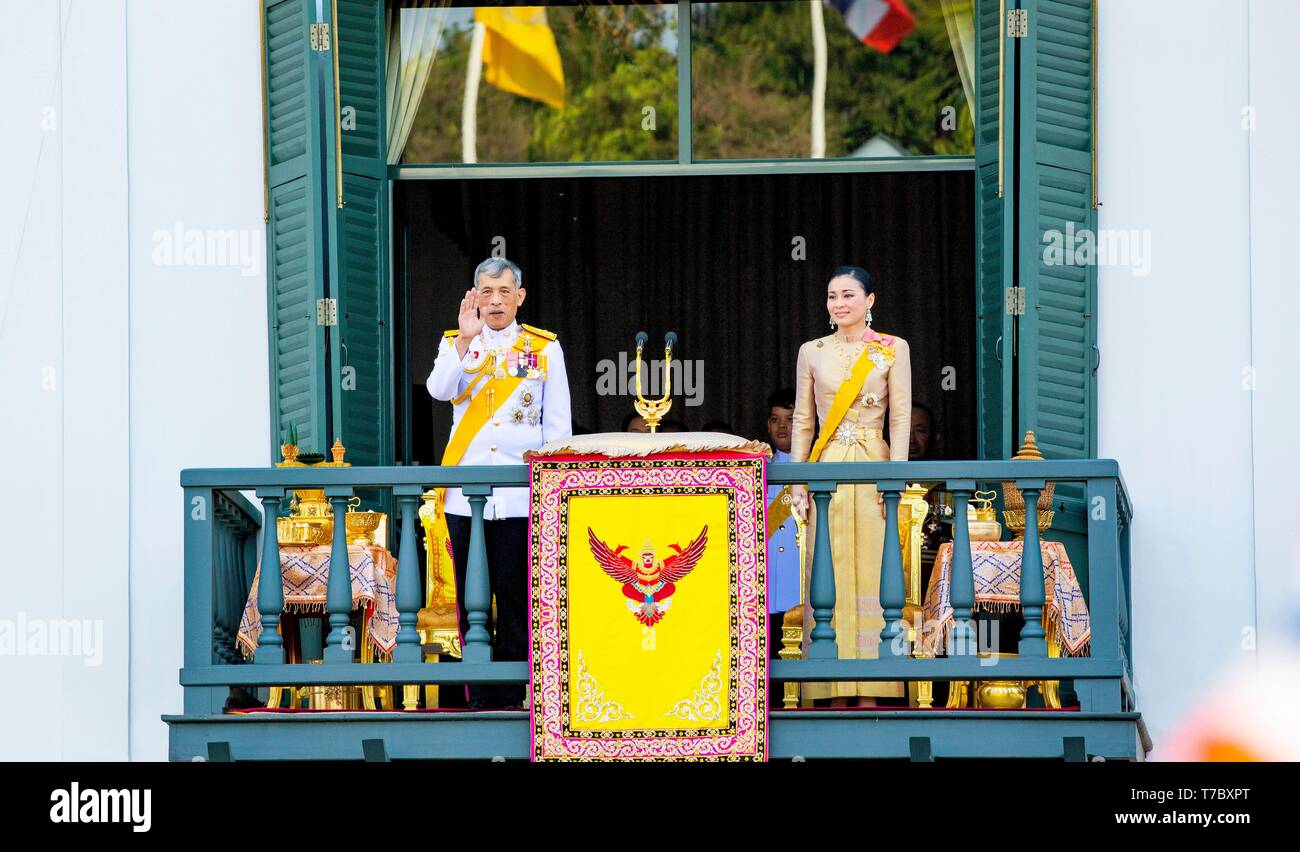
<point x="670" y="339"/>
<point x="641" y="338"/>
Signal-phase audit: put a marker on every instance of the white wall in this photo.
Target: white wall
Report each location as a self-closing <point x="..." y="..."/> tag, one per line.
<point x="199" y="383"/>
<point x="115" y="371"/>
<point x="1206" y="459"/>
<point x="64" y="499"/>
<point x="1274" y="316"/>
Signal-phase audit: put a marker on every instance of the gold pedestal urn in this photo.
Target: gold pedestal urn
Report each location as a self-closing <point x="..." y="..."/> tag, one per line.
<point x="1014" y="501"/>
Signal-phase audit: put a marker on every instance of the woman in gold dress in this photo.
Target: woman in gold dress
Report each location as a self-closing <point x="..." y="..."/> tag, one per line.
<point x="847" y="382"/>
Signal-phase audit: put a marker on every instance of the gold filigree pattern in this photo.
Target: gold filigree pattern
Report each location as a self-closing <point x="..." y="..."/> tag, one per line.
<point x="706" y="704"/>
<point x="589" y="701"/>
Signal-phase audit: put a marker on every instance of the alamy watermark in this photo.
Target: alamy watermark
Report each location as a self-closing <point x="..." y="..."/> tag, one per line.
<point x="1104" y="247"/>
<point x="939" y="636"/>
<point x="618" y="378"/>
<point x="90" y="805"/>
<point x="57" y="637"/>
<point x="182" y="246"/>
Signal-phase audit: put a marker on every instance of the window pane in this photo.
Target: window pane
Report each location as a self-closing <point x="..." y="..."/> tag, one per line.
<point x="578" y="83"/>
<point x="753" y="74"/>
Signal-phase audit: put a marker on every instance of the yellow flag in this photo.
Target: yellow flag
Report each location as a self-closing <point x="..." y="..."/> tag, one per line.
<point x="519" y="53"/>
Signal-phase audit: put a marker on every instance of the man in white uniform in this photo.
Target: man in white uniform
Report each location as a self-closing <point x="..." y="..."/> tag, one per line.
<point x="510" y="394"/>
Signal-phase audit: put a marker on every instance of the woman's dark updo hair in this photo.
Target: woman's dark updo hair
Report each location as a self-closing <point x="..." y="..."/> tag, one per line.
<point x="858" y="274"/>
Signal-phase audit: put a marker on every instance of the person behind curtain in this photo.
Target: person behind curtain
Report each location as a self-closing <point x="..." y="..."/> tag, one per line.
<point x="848" y="381"/>
<point x="782" y="541"/>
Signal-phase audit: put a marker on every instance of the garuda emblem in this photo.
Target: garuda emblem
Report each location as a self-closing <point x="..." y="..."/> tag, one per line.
<point x="648" y="583"/>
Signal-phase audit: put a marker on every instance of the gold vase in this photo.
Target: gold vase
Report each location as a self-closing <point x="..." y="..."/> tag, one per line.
<point x="311" y="517"/>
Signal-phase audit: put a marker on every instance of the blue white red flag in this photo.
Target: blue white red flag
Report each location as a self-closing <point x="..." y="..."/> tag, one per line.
<point x="880" y="24"/>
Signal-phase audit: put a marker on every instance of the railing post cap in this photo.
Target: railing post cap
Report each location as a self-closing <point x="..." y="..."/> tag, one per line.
<point x="1031" y="484"/>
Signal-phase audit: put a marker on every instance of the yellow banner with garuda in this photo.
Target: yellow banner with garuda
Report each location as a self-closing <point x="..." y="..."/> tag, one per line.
<point x="649" y="611"/>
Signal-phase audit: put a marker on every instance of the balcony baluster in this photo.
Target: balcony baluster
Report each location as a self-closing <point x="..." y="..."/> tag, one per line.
<point x="408" y="578"/>
<point x="1033" y="594"/>
<point x="270" y="586"/>
<point x="962" y="593"/>
<point x="340" y="642"/>
<point x="892" y="592"/>
<point x="478" y="594"/>
<point x="821" y="595"/>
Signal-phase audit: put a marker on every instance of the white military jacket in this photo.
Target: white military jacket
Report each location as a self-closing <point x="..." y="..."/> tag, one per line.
<point x="535" y="412"/>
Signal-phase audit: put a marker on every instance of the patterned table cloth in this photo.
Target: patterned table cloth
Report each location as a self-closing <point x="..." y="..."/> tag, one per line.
<point x="997" y="589"/>
<point x="306" y="569"/>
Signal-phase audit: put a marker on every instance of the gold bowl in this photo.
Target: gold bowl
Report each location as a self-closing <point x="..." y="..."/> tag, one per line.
<point x="984" y="530"/>
<point x="1000" y="694"/>
<point x="361" y="525"/>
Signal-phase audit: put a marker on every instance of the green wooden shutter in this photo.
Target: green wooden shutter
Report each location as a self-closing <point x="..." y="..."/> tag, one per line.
<point x="994" y="232"/>
<point x="358" y="235"/>
<point x="1057" y="396"/>
<point x="295" y="247"/>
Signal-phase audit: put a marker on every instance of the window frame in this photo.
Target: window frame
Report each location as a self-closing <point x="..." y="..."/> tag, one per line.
<point x="685" y="164"/>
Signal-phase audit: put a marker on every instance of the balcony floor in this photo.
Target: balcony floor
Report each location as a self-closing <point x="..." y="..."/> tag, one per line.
<point x="853" y="734"/>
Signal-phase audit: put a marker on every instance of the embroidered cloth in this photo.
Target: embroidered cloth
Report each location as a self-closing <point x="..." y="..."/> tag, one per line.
<point x="306" y="571"/>
<point x="997" y="589"/>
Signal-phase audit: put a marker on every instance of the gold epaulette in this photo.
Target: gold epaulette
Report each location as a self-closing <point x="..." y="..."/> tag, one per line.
<point x="540" y="332"/>
<point x="455" y="332"/>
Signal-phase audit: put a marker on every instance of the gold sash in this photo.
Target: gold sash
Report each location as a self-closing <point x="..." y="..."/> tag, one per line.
<point x="843" y="401"/>
<point x="778" y="511"/>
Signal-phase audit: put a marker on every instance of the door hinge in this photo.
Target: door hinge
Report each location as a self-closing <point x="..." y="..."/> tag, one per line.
<point x="320" y="37"/>
<point x="1015" y="301"/>
<point x="1017" y="23"/>
<point x="327" y="311"/>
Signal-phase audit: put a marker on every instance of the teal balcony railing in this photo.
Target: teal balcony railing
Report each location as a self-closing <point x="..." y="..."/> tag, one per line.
<point x="221" y="529"/>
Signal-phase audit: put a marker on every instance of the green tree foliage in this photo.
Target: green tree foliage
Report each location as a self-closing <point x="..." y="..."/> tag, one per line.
<point x="753" y="69"/>
<point x="752" y="74"/>
<point x="622" y="88"/>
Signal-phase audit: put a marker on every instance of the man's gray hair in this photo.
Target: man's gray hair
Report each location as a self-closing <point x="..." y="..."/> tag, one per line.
<point x="494" y="266"/>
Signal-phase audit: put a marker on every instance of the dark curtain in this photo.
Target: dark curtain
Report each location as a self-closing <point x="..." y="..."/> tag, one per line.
<point x="736" y="265"/>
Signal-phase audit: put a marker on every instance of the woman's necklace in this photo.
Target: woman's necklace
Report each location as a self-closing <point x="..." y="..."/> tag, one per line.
<point x="847" y="357"/>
